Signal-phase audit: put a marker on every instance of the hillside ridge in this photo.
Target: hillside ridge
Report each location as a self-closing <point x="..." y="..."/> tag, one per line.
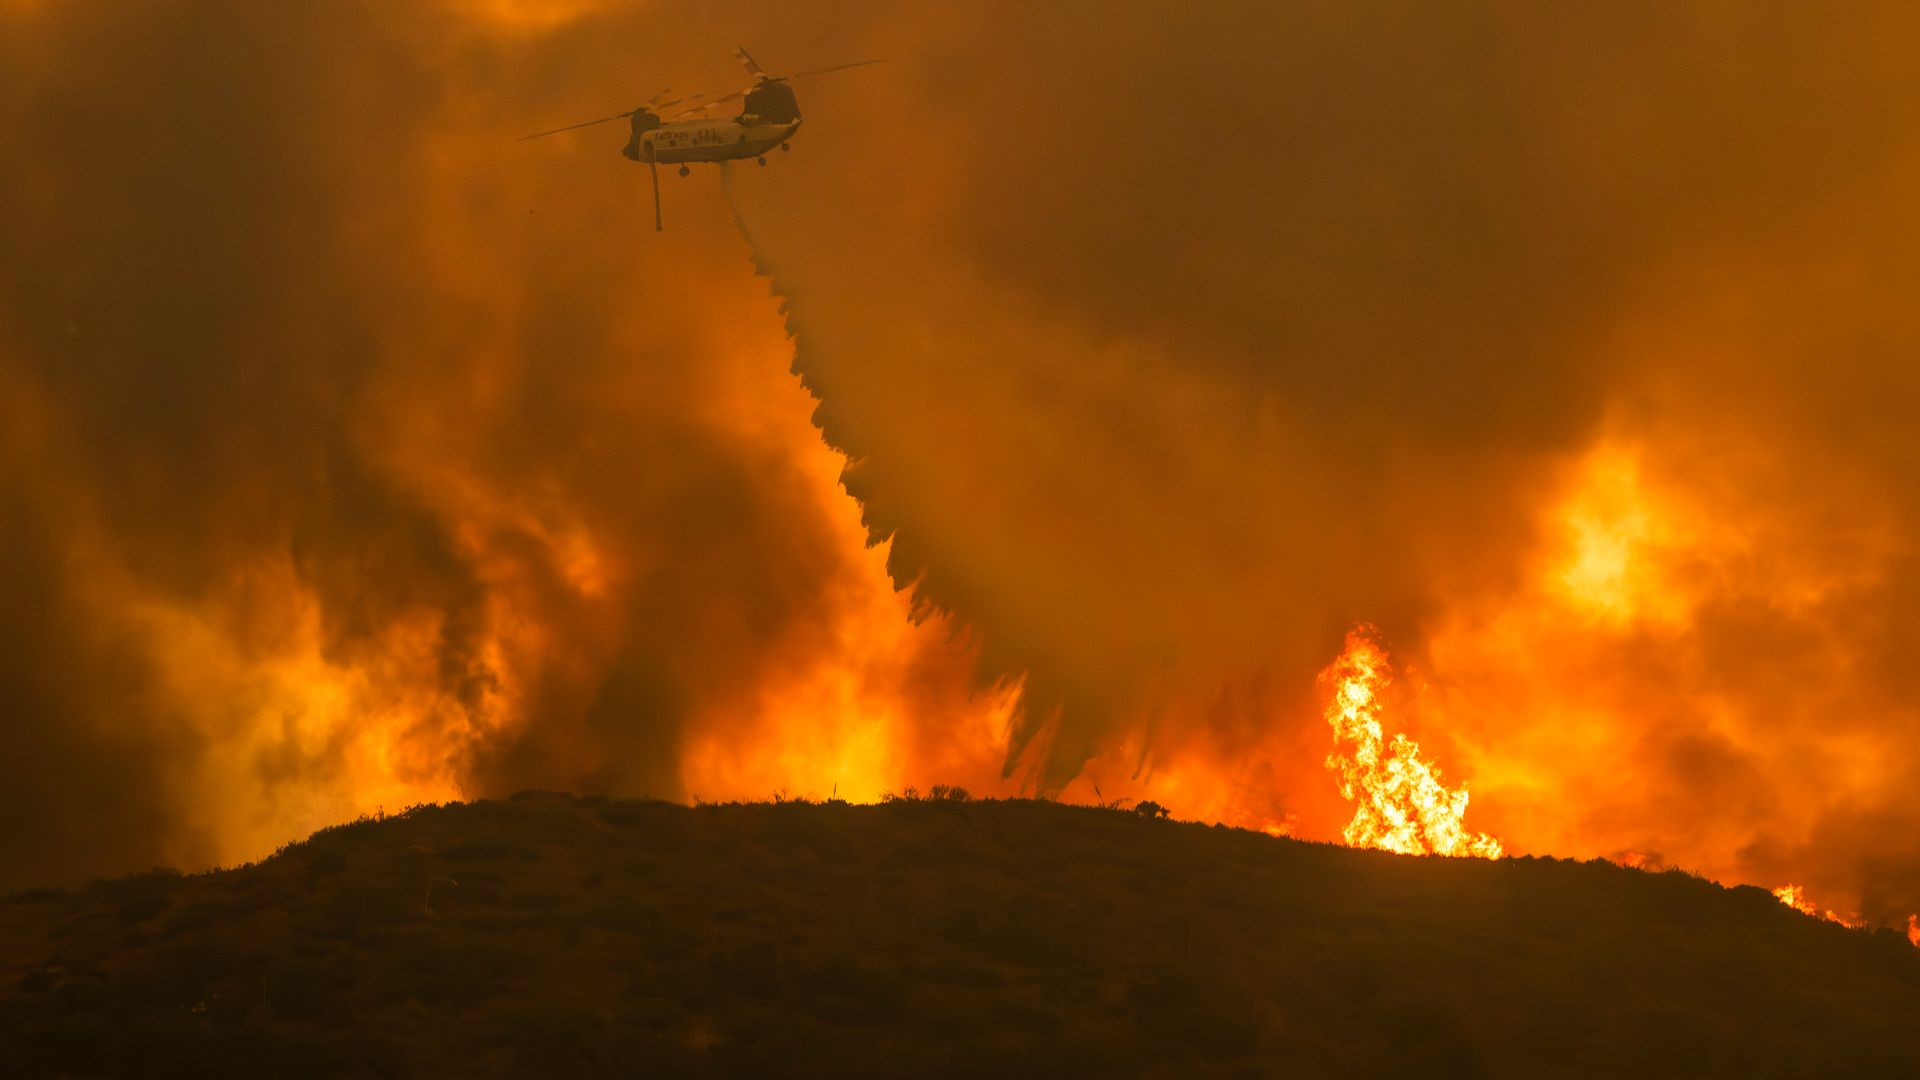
<point x="589" y="936"/>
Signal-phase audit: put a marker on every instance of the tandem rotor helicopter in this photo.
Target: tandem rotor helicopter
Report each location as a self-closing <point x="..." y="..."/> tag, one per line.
<point x="769" y="116"/>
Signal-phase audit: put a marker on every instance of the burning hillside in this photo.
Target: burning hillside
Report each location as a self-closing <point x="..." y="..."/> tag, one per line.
<point x="353" y="455"/>
<point x="920" y="936"/>
<point x="592" y="937"/>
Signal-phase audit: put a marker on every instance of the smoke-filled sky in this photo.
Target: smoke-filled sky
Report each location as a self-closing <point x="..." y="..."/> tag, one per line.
<point x="356" y="454"/>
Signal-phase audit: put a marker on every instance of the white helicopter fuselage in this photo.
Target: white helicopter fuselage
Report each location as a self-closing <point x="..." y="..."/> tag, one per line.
<point x="712" y="140"/>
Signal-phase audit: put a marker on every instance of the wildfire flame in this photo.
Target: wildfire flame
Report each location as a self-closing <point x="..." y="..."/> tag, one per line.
<point x="1795" y="897"/>
<point x="1399" y="801"/>
<point x="1650" y="861"/>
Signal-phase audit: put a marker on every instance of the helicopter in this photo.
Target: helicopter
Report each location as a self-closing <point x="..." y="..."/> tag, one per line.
<point x="769" y="116"/>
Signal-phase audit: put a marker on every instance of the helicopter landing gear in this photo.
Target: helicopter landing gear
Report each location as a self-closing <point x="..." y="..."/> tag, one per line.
<point x="684" y="171"/>
<point x="763" y="161"/>
<point x="786" y="146"/>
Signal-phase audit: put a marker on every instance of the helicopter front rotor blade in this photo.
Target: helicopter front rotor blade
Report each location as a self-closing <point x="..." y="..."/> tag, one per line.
<point x="746" y="61"/>
<point x="574" y="127"/>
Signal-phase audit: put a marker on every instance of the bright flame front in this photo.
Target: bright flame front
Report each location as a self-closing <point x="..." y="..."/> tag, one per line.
<point x="1400" y="803"/>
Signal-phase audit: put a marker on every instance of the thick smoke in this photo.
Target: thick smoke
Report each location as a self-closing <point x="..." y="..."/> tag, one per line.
<point x="1168" y="344"/>
<point x="354" y="453"/>
<point x="1570" y="346"/>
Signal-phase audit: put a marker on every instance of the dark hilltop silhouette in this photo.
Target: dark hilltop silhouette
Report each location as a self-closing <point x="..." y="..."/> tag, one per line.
<point x="554" y="936"/>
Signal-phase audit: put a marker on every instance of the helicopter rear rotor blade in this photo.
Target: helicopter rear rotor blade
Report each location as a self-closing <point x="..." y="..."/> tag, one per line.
<point x="823" y="71"/>
<point x="660" y="101"/>
<point x="703" y="106"/>
<point x="746" y="61"/>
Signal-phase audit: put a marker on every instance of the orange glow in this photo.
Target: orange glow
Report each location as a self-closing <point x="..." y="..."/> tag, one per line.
<point x="1913" y="930"/>
<point x="498" y="487"/>
<point x="1200" y="779"/>
<point x="1615" y="532"/>
<point x="291" y="738"/>
<point x="886" y="701"/>
<point x="1668" y="671"/>
<point x="535" y="15"/>
<point x="856" y="725"/>
<point x="1400" y="803"/>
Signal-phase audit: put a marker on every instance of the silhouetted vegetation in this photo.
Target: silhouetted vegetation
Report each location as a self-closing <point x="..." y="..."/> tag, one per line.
<point x="935" y="935"/>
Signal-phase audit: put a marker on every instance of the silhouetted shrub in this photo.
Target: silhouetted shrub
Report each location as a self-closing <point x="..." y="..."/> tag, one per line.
<point x="1147" y="808"/>
<point x="938" y="793"/>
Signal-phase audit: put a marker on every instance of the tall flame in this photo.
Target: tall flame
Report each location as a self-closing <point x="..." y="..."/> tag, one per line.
<point x="1795" y="897"/>
<point x="1400" y="803"/>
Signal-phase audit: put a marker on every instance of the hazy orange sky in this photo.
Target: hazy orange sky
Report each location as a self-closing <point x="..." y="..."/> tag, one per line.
<point x="353" y="453"/>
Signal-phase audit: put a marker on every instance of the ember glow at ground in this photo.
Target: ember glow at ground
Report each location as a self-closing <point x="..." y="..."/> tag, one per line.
<point x="354" y="455"/>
